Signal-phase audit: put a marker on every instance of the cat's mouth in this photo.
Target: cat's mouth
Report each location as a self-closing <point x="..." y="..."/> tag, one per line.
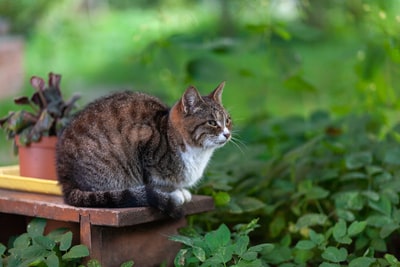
<point x="215" y="143"/>
<point x="223" y="142"/>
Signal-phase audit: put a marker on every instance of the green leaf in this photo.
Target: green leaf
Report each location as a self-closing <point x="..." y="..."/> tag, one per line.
<point x="93" y="263"/>
<point x="249" y="256"/>
<point x="345" y="215"/>
<point x="19" y="120"/>
<point x="353" y="176"/>
<point x="241" y="244"/>
<point x="334" y="254"/>
<point x="379" y="220"/>
<point x="340" y="229"/>
<point x="245" y="229"/>
<point x="180" y="259"/>
<point x="45" y="242"/>
<point x="56" y="234"/>
<point x="76" y="252"/>
<point x="311" y="220"/>
<point x="52" y="260"/>
<point x="305" y="245"/>
<point x="250" y="204"/>
<point x="362" y="262"/>
<point x="37" y="261"/>
<point x="221" y="198"/>
<point x="351" y="200"/>
<point x="362" y="242"/>
<point x="36" y="227"/>
<point x="255" y="263"/>
<point x="396" y="215"/>
<point x="2" y="249"/>
<point x="371" y="195"/>
<point x="66" y="241"/>
<point x="127" y="264"/>
<point x="382" y="205"/>
<point x="379" y="244"/>
<point x="279" y="255"/>
<point x="340" y="232"/>
<point x="316" y="192"/>
<point x="356" y="227"/>
<point x="302" y="256"/>
<point x="388" y="229"/>
<point x="22" y="241"/>
<point x="318" y="239"/>
<point x="374" y="170"/>
<point x="235" y="208"/>
<point x="182" y="239"/>
<point x="199" y="253"/>
<point x="383" y="178"/>
<point x="328" y="264"/>
<point x="392" y="156"/>
<point x="13" y="261"/>
<point x="277" y="225"/>
<point x="35" y="251"/>
<point x="392" y="260"/>
<point x="223" y="254"/>
<point x="43" y="125"/>
<point x="358" y="160"/>
<point x="265" y="247"/>
<point x="282" y="32"/>
<point x="392" y="195"/>
<point x="218" y="238"/>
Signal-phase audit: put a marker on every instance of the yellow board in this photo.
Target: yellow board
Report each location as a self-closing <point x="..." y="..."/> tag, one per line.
<point x="10" y="179"/>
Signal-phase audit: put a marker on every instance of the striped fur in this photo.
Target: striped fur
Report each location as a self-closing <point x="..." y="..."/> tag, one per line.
<point x="129" y="150"/>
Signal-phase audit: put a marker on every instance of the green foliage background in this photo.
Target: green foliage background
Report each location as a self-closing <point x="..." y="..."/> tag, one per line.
<point x="313" y="88"/>
<point x="340" y="55"/>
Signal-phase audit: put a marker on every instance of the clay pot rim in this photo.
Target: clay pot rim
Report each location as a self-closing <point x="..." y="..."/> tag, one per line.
<point x="44" y="142"/>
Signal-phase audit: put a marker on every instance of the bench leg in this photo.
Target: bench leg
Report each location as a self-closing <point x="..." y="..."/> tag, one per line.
<point x="146" y="244"/>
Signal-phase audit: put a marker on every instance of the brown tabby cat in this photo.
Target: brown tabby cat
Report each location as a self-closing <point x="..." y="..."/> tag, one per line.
<point x="129" y="150"/>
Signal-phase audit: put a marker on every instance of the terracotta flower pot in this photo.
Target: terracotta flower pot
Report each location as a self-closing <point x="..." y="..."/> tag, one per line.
<point x="38" y="159"/>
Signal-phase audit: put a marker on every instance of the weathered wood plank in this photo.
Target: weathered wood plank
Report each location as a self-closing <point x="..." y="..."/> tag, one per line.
<point x="53" y="207"/>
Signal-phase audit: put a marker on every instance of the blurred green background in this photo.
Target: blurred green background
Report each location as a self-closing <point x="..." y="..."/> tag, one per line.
<point x="279" y="58"/>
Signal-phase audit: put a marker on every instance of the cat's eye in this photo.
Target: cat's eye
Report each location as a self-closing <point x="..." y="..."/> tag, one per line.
<point x="212" y="123"/>
<point x="228" y="120"/>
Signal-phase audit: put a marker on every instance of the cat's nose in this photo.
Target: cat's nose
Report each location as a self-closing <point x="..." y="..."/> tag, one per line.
<point x="227" y="135"/>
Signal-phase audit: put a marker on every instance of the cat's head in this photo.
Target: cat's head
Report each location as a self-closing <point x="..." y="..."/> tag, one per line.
<point x="202" y="120"/>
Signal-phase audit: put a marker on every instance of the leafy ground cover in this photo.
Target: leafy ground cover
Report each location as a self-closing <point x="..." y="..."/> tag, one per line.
<point x="325" y="190"/>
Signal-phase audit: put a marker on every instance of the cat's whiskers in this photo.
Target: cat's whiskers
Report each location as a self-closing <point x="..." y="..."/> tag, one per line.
<point x="238" y="143"/>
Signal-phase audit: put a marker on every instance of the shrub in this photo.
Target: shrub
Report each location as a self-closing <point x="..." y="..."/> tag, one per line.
<point x="33" y="248"/>
<point x="220" y="248"/>
<point x="326" y="190"/>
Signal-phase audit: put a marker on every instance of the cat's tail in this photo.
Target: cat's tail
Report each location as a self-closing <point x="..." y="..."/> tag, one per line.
<point x="140" y="196"/>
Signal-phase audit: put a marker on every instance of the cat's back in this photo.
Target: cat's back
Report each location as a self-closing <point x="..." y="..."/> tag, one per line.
<point x="111" y="117"/>
<point x="116" y="109"/>
<point x="122" y="104"/>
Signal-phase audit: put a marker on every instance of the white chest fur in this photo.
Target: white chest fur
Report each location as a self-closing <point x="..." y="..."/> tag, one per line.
<point x="195" y="160"/>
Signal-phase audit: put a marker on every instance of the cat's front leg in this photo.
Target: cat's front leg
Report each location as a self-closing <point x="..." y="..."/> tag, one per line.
<point x="181" y="196"/>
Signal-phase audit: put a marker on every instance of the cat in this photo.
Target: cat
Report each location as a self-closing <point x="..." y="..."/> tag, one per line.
<point x="129" y="149"/>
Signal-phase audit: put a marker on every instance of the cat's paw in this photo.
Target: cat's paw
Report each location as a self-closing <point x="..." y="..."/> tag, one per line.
<point x="186" y="194"/>
<point x="177" y="197"/>
<point x="181" y="196"/>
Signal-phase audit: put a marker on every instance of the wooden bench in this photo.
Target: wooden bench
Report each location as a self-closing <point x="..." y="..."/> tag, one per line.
<point x="113" y="236"/>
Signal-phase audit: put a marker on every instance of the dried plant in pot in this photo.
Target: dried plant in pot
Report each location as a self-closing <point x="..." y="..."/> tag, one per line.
<point x="35" y="129"/>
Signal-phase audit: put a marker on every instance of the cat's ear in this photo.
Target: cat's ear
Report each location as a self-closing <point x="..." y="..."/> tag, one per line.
<point x="190" y="99"/>
<point x="216" y="95"/>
